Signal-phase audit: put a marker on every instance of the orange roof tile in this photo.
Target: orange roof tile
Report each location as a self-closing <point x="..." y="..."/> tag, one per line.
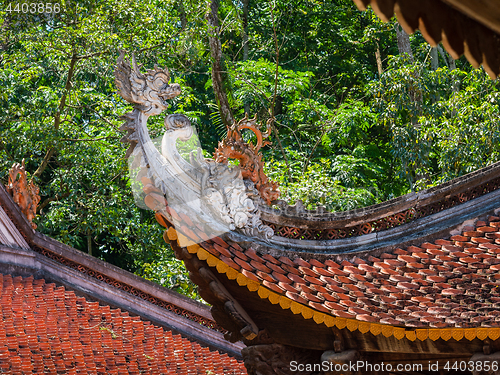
<point x="47" y="329"/>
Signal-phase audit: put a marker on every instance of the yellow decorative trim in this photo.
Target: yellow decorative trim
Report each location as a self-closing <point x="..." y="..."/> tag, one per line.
<point x="307" y="313"/>
<point x="253" y="285"/>
<point x="318" y="317"/>
<point x="296" y="307"/>
<point x="285" y="303"/>
<point x="231" y="273"/>
<point x="434" y="334"/>
<point x="193" y="249"/>
<point x="422" y="334"/>
<point x="203" y="255"/>
<point x="212" y="261"/>
<point x="470" y="333"/>
<point x="399" y="333"/>
<point x="411" y="335"/>
<point x="494" y="333"/>
<point x="364" y="327"/>
<point x="328" y="320"/>
<point x="375" y="329"/>
<point x="445" y="334"/>
<point x="352" y="324"/>
<point x="274" y="298"/>
<point x="457" y="334"/>
<point x="481" y="333"/>
<point x="172" y="234"/>
<point x="241" y="279"/>
<point x="263" y="292"/>
<point x="222" y="267"/>
<point x="341" y="323"/>
<point x="387" y="331"/>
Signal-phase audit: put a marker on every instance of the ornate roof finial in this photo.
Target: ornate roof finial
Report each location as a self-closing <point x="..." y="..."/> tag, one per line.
<point x="251" y="164"/>
<point x="25" y="193"/>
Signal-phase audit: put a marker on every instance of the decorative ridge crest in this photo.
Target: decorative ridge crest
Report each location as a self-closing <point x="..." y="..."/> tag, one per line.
<point x="251" y="164"/>
<point x="25" y="193"/>
<point x="298" y="223"/>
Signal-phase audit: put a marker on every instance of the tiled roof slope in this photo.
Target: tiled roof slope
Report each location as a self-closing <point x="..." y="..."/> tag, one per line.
<point x="451" y="282"/>
<point x="47" y="329"/>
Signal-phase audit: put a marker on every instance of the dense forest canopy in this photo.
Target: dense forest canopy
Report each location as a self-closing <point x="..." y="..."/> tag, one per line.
<point x="361" y="111"/>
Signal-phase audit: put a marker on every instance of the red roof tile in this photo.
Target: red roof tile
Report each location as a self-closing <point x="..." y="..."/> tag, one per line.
<point x="44" y="329"/>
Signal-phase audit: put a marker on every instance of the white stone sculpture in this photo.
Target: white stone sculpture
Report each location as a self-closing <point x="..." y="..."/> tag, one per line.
<point x="212" y="194"/>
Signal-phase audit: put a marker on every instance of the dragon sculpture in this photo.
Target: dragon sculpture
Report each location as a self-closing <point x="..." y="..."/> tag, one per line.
<point x="251" y="164"/>
<point x="211" y="193"/>
<point x="25" y="193"/>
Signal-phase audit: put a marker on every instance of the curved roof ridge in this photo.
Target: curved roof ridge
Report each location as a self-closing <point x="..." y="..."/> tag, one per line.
<point x="295" y="223"/>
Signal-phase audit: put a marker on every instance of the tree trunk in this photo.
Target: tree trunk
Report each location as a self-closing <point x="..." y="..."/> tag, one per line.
<point x="89" y="242"/>
<point x="404" y="45"/>
<point x="434" y="58"/>
<point x="379" y="60"/>
<point x="217" y="72"/>
<point x="245" y="43"/>
<point x="182" y="14"/>
<point x="444" y="55"/>
<point x="450" y="61"/>
<point x="245" y="30"/>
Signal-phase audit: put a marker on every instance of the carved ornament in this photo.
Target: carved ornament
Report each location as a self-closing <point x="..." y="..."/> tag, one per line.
<point x="251" y="164"/>
<point x="276" y="359"/>
<point x="25" y="193"/>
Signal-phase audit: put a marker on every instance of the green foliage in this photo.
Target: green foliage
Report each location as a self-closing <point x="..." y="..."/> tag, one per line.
<point x="452" y="128"/>
<point x="171" y="274"/>
<point x="58" y="95"/>
<point x="334" y="185"/>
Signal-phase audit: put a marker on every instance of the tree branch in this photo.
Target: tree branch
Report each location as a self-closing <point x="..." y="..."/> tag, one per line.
<point x="48" y="200"/>
<point x="87" y="139"/>
<point x="57" y="117"/>
<point x="216" y="52"/>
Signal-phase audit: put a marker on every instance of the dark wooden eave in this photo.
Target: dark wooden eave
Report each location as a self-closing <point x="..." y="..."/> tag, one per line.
<point x="470" y="27"/>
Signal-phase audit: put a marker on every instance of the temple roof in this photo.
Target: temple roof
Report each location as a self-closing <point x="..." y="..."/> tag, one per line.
<point x="63" y="310"/>
<point x="438" y="279"/>
<point x="48" y="329"/>
<point x="451" y="282"/>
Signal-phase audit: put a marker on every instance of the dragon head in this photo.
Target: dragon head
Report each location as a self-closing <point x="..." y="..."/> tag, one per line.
<point x="148" y="92"/>
<point x="157" y="90"/>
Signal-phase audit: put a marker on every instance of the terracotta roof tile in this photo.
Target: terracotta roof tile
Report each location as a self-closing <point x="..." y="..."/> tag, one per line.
<point x="250" y="275"/>
<point x="316" y="263"/>
<point x="243" y="264"/>
<point x="50" y="330"/>
<point x="273" y="286"/>
<point x="313" y="280"/>
<point x="288" y="287"/>
<point x="301" y="262"/>
<point x="260" y="266"/>
<point x="270" y="258"/>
